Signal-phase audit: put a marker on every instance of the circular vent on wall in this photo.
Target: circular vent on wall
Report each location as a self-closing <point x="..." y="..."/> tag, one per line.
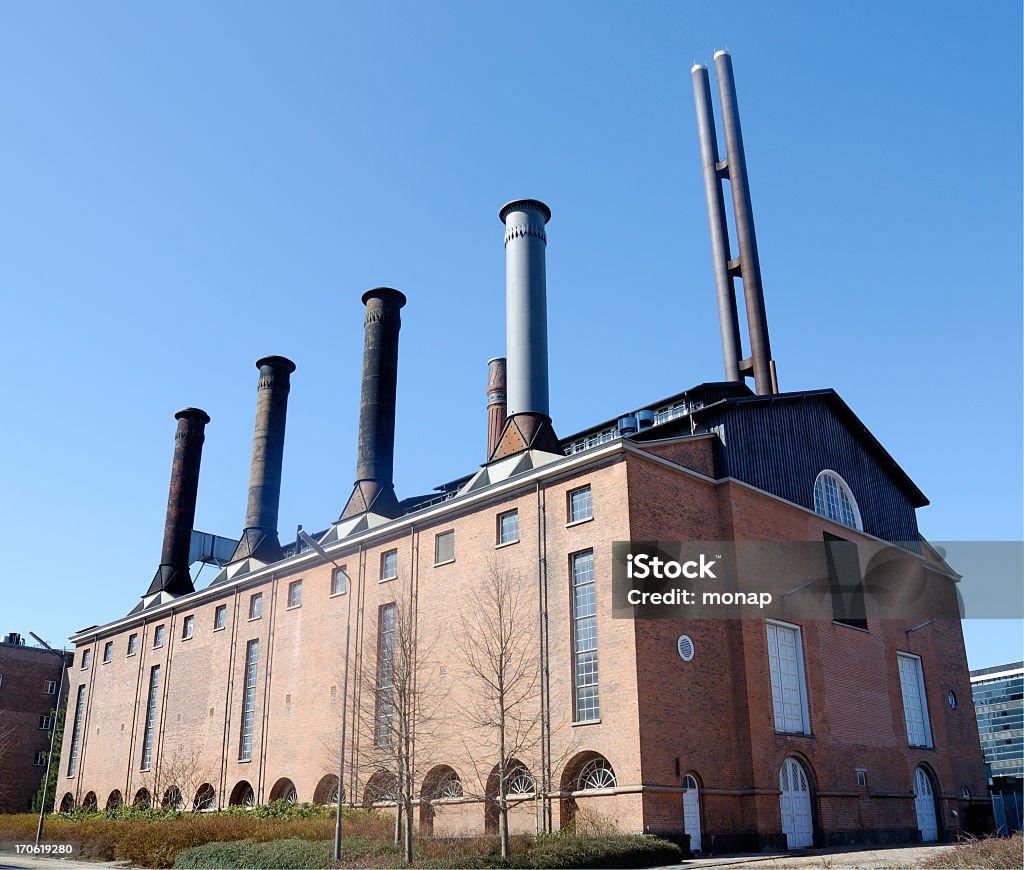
<point x="685" y="647"/>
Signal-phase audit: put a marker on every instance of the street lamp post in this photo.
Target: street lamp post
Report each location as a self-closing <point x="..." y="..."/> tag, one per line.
<point x="53" y="734"/>
<point x="322" y="553"/>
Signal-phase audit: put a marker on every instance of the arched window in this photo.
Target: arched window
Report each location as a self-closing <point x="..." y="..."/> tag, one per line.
<point x="90" y="803"/>
<point x="834" y="500"/>
<point x="172" y="799"/>
<point x="115" y="800"/>
<point x="206" y="798"/>
<point x="67" y="803"/>
<point x="326" y="792"/>
<point x="284" y="790"/>
<point x="242" y="795"/>
<point x="142" y="798"/>
<point x="595" y="774"/>
<point x="520" y="782"/>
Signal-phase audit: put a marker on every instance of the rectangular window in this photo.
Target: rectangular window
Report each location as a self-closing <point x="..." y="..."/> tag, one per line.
<point x="45" y="722"/>
<point x="39" y="760"/>
<point x="50" y="687"/>
<point x="76" y="731"/>
<point x="186" y="627"/>
<point x="339" y="581"/>
<point x="220" y="617"/>
<point x="256" y="605"/>
<point x="389" y="565"/>
<point x="444" y="547"/>
<point x="108" y="651"/>
<point x="915" y="705"/>
<point x="581" y="506"/>
<point x="252" y="655"/>
<point x="845" y="585"/>
<point x="86" y="658"/>
<point x="584" y="637"/>
<point x="789" y="686"/>
<point x="133" y="644"/>
<point x="508" y="527"/>
<point x="158" y="637"/>
<point x="295" y="593"/>
<point x="385" y="675"/>
<point x="147" y="737"/>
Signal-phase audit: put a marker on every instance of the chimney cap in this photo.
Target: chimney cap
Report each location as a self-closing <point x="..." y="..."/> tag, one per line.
<point x="724" y="51"/>
<point x="495" y="359"/>
<point x="277" y="362"/>
<point x="385" y="293"/>
<point x="193" y="414"/>
<point x="524" y="205"/>
<point x="698" y="66"/>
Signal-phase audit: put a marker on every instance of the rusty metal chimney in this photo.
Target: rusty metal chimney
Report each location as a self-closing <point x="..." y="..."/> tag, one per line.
<point x="374" y="488"/>
<point x="496" y="402"/>
<point x="173" y="576"/>
<point x="259" y="539"/>
<point x="526" y="329"/>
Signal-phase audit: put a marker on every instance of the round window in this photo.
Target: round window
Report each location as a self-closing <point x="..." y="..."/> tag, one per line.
<point x="951" y="698"/>
<point x="684" y="647"/>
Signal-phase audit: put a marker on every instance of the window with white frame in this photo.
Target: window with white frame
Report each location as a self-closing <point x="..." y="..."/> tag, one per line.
<point x="915" y="704"/>
<point x="444" y="547"/>
<point x="295" y="593"/>
<point x="133" y="644"/>
<point x="834" y="500"/>
<point x="256" y="605"/>
<point x="339" y="581"/>
<point x="584" y="638"/>
<point x="187" y="625"/>
<point x="252" y="655"/>
<point x="45" y="722"/>
<point x="158" y="636"/>
<point x="50" y="687"/>
<point x="384" y="713"/>
<point x="581" y="505"/>
<point x="789" y="685"/>
<point x="39" y="760"/>
<point x="86" y="658"/>
<point x="76" y="730"/>
<point x="220" y="617"/>
<point x="150" y="732"/>
<point x="108" y="651"/>
<point x="389" y="565"/>
<point x="508" y="527"/>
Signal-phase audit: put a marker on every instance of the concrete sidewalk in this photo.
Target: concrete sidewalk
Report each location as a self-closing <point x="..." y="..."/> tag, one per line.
<point x="837" y="858"/>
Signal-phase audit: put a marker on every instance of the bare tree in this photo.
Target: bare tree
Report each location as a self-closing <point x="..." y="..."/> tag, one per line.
<point x="175" y="779"/>
<point x="502" y="668"/>
<point x="400" y="714"/>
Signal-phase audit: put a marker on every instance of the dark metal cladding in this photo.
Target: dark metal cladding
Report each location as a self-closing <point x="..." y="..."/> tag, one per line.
<point x="260" y="539"/>
<point x="173" y="576"/>
<point x="497" y="403"/>
<point x="726" y="290"/>
<point x="749" y="263"/>
<point x="375" y="460"/>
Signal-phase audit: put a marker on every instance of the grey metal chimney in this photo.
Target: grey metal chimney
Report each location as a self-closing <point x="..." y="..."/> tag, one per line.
<point x="749" y="265"/>
<point x="727" y="318"/>
<point x="374" y="488"/>
<point x="497" y="403"/>
<point x="260" y="539"/>
<point x="526" y="329"/>
<point x="173" y="576"/>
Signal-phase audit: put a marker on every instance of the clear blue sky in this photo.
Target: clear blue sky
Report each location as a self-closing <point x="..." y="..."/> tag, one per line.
<point x="186" y="188"/>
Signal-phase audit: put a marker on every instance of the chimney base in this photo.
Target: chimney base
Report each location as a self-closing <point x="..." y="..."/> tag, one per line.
<point x="174" y="581"/>
<point x="371" y="496"/>
<point x="527" y="431"/>
<point x="258" y="544"/>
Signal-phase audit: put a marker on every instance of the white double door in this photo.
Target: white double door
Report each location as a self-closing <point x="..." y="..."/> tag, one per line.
<point x="924" y="804"/>
<point x="691" y="811"/>
<point x="797" y="820"/>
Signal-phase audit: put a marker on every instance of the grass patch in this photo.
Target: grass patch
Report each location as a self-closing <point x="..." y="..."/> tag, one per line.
<point x="481" y="852"/>
<point x="990" y="853"/>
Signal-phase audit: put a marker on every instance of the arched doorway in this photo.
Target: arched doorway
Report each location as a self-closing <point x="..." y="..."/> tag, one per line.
<point x="242" y="795"/>
<point x="284" y="790"/>
<point x="924" y="805"/>
<point x="691" y="810"/>
<point x="795" y="804"/>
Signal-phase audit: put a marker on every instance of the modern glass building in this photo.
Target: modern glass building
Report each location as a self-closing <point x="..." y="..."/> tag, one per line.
<point x="999" y="704"/>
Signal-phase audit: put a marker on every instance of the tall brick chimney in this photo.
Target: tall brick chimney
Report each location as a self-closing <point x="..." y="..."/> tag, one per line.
<point x="497" y="404"/>
<point x="374" y="489"/>
<point x="260" y="539"/>
<point x="173" y="576"/>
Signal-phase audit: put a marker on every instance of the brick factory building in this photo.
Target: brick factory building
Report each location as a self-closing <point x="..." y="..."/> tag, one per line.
<point x="742" y="734"/>
<point x="30" y="696"/>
